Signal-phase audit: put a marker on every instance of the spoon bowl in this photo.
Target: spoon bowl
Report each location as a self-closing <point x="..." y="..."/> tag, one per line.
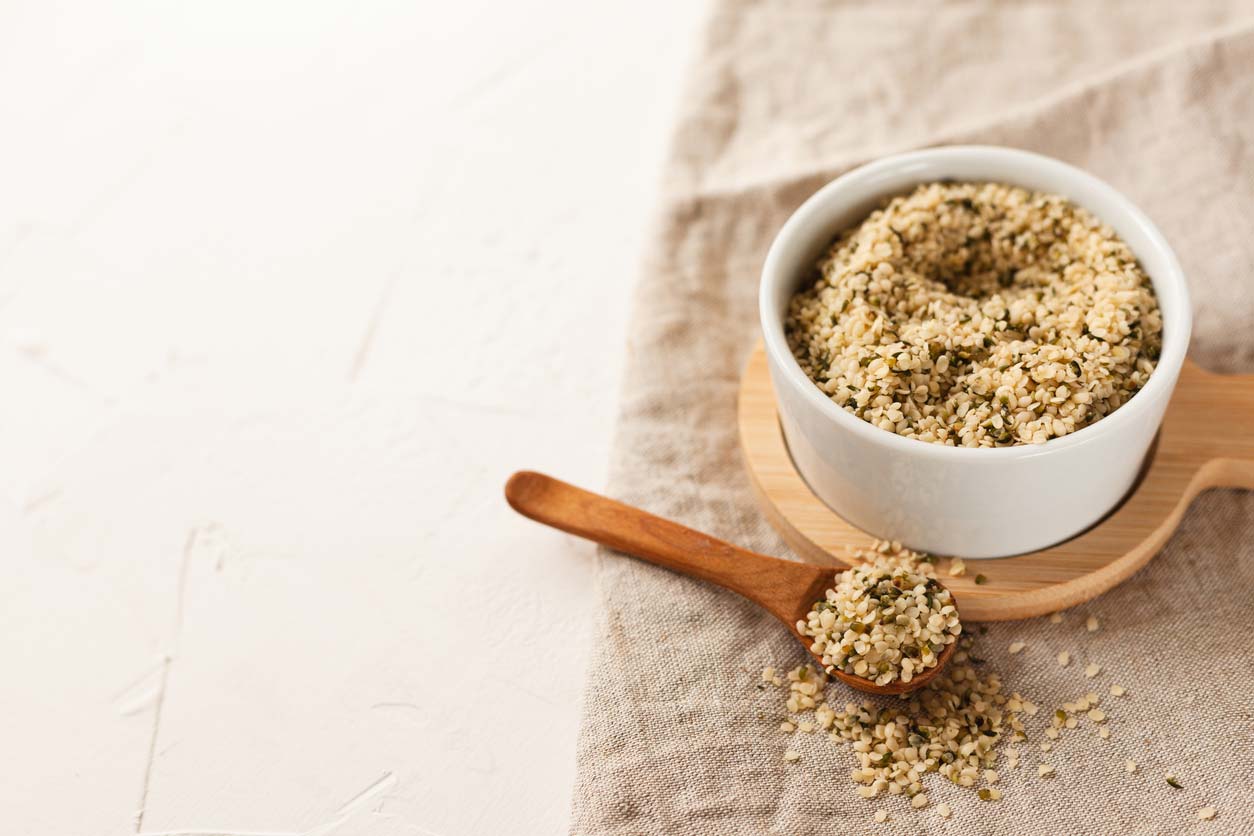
<point x="785" y="589"/>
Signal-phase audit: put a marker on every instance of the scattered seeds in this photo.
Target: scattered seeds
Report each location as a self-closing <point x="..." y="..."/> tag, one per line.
<point x="1044" y="770"/>
<point x="1015" y="647"/>
<point x="981" y="580"/>
<point x="1046" y="746"/>
<point x="1206" y="813"/>
<point x="957" y="568"/>
<point x="881" y="816"/>
<point x="1064" y="659"/>
<point x="1055" y="618"/>
<point x="951" y="726"/>
<point x="1092" y="624"/>
<point x="787" y="727"/>
<point x="1091" y="670"/>
<point x="944" y="812"/>
<point x="768" y="674"/>
<point x="1171" y="780"/>
<point x="1097" y="715"/>
<point x="1129" y="766"/>
<point x="1104" y="733"/>
<point x="1117" y="691"/>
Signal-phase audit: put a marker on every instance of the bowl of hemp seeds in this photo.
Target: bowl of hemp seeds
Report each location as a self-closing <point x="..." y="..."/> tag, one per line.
<point x="971" y="347"/>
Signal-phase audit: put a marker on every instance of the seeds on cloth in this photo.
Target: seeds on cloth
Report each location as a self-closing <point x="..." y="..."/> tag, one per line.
<point x="952" y="726"/>
<point x="955" y="725"/>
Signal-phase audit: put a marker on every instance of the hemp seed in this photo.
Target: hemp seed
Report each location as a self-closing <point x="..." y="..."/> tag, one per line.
<point x="882" y="621"/>
<point x="978" y="315"/>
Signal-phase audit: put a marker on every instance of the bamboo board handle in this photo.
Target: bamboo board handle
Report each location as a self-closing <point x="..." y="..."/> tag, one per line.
<point x="1214" y="422"/>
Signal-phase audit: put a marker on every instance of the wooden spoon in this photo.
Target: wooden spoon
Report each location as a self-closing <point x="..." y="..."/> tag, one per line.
<point x="785" y="589"/>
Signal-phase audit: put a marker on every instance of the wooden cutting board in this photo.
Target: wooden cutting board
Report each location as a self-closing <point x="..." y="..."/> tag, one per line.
<point x="1206" y="441"/>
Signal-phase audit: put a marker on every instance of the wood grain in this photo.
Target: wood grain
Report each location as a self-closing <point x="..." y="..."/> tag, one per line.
<point x="1206" y="441"/>
<point x="784" y="588"/>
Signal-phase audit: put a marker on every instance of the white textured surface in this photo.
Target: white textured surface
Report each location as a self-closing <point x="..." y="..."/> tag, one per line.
<point x="286" y="291"/>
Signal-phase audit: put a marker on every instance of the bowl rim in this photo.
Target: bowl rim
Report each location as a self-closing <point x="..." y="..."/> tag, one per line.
<point x="1176" y="330"/>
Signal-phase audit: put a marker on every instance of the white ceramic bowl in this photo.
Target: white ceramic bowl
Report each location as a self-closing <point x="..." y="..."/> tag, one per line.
<point x="972" y="502"/>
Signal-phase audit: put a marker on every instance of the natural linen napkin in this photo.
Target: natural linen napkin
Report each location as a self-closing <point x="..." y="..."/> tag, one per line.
<point x="1158" y="99"/>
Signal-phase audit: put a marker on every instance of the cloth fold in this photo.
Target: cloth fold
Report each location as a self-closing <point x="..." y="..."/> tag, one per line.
<point x="1155" y="98"/>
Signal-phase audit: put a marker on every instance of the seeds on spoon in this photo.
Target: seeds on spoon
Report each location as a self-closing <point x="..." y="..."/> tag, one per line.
<point x="883" y="621"/>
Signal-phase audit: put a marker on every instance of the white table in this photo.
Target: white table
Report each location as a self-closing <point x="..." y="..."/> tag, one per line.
<point x="286" y="291"/>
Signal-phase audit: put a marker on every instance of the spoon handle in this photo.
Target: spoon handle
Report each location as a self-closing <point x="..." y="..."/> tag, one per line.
<point x="777" y="585"/>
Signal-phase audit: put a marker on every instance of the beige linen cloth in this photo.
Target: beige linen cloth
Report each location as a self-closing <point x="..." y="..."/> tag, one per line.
<point x="1156" y="98"/>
